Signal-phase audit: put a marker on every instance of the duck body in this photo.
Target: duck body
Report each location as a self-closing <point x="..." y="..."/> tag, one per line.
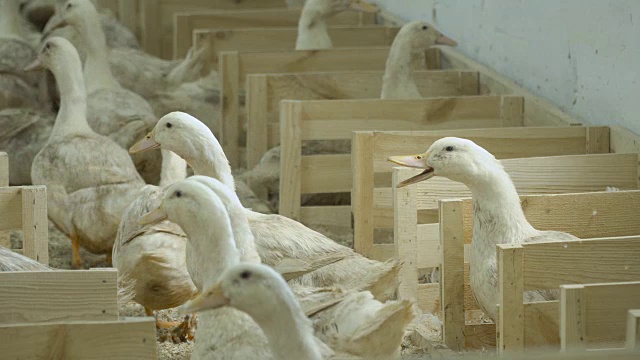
<point x="23" y="132"/>
<point x="12" y="261"/>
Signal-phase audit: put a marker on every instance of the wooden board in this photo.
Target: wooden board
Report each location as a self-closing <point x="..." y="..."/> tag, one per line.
<point x="186" y="23"/>
<point x="371" y="196"/>
<point x="633" y="330"/>
<point x="131" y="338"/>
<point x="332" y="173"/>
<point x="25" y="208"/>
<point x="234" y="67"/>
<point x="53" y="296"/>
<point x="156" y="18"/>
<point x="284" y="39"/>
<point x="5" y="236"/>
<point x="265" y="91"/>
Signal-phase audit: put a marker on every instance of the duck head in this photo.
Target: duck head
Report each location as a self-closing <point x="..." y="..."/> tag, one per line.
<point x="54" y="52"/>
<point x="457" y="159"/>
<point x="72" y="12"/>
<point x="246" y="287"/>
<point x="175" y="132"/>
<point x="424" y="36"/>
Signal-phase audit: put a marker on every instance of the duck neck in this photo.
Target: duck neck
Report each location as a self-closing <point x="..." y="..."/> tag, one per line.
<point x="289" y="331"/>
<point x="398" y="72"/>
<point x="208" y="159"/>
<point x="312" y="30"/>
<point x="497" y="209"/>
<point x="72" y="115"/>
<point x="245" y="241"/>
<point x="97" y="71"/>
<point x="174" y="168"/>
<point x="10" y="26"/>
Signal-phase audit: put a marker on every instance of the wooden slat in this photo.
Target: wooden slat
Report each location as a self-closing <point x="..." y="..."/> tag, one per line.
<point x="35" y="224"/>
<point x="573" y="318"/>
<point x="633" y="330"/>
<point x="27" y="297"/>
<point x="546" y="264"/>
<point x="452" y="274"/>
<point x="510" y="278"/>
<point x="269" y="39"/>
<point x="186" y="23"/>
<point x="290" y="160"/>
<point x="624" y="141"/>
<point x="325" y="173"/>
<point x="406" y="238"/>
<point x="361" y="199"/>
<point x="4" y="169"/>
<point x="132" y="338"/>
<point x="338" y="216"/>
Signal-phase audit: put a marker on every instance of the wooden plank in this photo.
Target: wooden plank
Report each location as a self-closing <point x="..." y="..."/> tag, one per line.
<point x="573" y="318"/>
<point x="452" y="273"/>
<point x="11" y="208"/>
<point x="186" y="23"/>
<point x="598" y="140"/>
<point x="290" y="159"/>
<point x="510" y="279"/>
<point x="332" y="86"/>
<point x="512" y="111"/>
<point x="229" y="107"/>
<point x="132" y="338"/>
<point x="269" y="39"/>
<point x="337" y="216"/>
<point x="325" y="173"/>
<point x="405" y="238"/>
<point x="537" y="112"/>
<point x="362" y="143"/>
<point x="607" y="308"/>
<point x="59" y="295"/>
<point x="633" y="330"/>
<point x="5" y="236"/>
<point x="35" y="224"/>
<point x="622" y="140"/>
<point x="547" y="264"/>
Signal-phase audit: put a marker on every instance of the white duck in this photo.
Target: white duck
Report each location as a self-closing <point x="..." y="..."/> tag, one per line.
<point x="12" y="261"/>
<point x="154" y="255"/>
<point x="352" y="322"/>
<point x="277" y="237"/>
<point x="498" y="216"/>
<point x="312" y="27"/>
<point x="89" y="177"/>
<point x="112" y="110"/>
<point x="412" y="40"/>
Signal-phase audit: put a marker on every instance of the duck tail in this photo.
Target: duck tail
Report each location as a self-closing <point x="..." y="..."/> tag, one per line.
<point x="382" y="337"/>
<point x="384" y="280"/>
<point x="195" y="65"/>
<point x="126" y="289"/>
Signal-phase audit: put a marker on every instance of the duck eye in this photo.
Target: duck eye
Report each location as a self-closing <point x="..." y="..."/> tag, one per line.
<point x="245" y="275"/>
<point x="424" y="27"/>
<point x="48" y="46"/>
<point x="69" y="6"/>
<point x="169" y="125"/>
<point x="449" y="148"/>
<point x="178" y="193"/>
<point x="418" y="157"/>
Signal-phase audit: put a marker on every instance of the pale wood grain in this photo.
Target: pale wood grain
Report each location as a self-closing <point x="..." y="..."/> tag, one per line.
<point x="290" y="160"/>
<point x="5" y="236"/>
<point x="573" y="318"/>
<point x="406" y="239"/>
<point x="362" y="173"/>
<point x="27" y="297"/>
<point x="510" y="259"/>
<point x="633" y="330"/>
<point x="132" y="338"/>
<point x="187" y="22"/>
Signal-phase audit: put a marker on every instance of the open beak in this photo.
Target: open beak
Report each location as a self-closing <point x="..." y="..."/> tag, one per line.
<point x="34" y="66"/>
<point x="209" y="299"/>
<point x="414" y="161"/>
<point x="444" y="40"/>
<point x="362" y="6"/>
<point x="153" y="217"/>
<point x="146" y="143"/>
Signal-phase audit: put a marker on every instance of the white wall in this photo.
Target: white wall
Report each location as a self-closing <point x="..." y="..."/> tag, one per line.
<point x="583" y="55"/>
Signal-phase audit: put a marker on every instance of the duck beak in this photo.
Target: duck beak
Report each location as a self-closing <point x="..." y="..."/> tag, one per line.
<point x="444" y="40"/>
<point x="34" y="66"/>
<point x="359" y="5"/>
<point x="146" y="143"/>
<point x="414" y="161"/>
<point x="153" y="217"/>
<point x="209" y="299"/>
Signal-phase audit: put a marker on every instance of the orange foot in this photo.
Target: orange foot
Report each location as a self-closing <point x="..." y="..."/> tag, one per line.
<point x="76" y="260"/>
<point x="186" y="330"/>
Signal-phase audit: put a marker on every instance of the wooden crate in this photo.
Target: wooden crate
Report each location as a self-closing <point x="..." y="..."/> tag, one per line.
<point x="633" y="330"/>
<point x="25" y="208"/>
<point x="156" y="18"/>
<point x="234" y="67"/>
<point x="337" y="119"/>
<point x="65" y="314"/>
<point x="586" y="215"/>
<point x="372" y="204"/>
<point x="596" y="315"/>
<point x="186" y="23"/>
<point x="265" y="91"/>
